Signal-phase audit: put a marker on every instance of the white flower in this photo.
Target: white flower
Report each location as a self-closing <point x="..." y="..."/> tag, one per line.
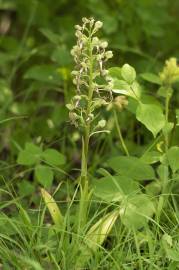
<point x="108" y="54"/>
<point x="78" y="27"/>
<point x="98" y="25"/>
<point x="85" y="20"/>
<point x="95" y="41"/>
<point x="104" y="44"/>
<point x="102" y="123"/>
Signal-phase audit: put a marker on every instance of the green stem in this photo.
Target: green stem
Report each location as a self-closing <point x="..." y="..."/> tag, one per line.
<point x="87" y="129"/>
<point x="120" y="134"/>
<point x="85" y="195"/>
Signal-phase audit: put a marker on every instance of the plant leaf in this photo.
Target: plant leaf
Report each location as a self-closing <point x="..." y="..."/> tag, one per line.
<point x="122" y="87"/>
<point x="53" y="157"/>
<point x="151" y="157"/>
<point x="151" y="116"/>
<point x="128" y="73"/>
<point x="114" y="188"/>
<point x="30" y="155"/>
<point x="136" y="211"/>
<point x="151" y="77"/>
<point x="173" y="158"/>
<point x="132" y="167"/>
<point x="44" y="175"/>
<point x="115" y="72"/>
<point x="52" y="207"/>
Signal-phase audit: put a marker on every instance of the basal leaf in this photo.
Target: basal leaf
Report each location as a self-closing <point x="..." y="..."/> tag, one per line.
<point x="132" y="167"/>
<point x="114" y="188"/>
<point x="52" y="207"/>
<point x="136" y="211"/>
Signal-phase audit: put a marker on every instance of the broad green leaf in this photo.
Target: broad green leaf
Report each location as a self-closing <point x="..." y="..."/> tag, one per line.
<point x="44" y="175"/>
<point x="25" y="188"/>
<point x="123" y="88"/>
<point x="128" y="73"/>
<point x="132" y="167"/>
<point x="151" y="77"/>
<point x="53" y="157"/>
<point x="30" y="155"/>
<point x="151" y="157"/>
<point x="173" y="158"/>
<point x="115" y="73"/>
<point x="168" y="128"/>
<point x="153" y="188"/>
<point x="162" y="171"/>
<point x="136" y="211"/>
<point x="114" y="188"/>
<point x="151" y="116"/>
<point x="52" y="207"/>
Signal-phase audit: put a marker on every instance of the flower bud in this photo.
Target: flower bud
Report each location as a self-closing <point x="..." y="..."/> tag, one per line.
<point x="91" y="22"/>
<point x="74" y="81"/>
<point x="74" y="73"/>
<point x="70" y="107"/>
<point x="73" y="116"/>
<point x="78" y="27"/>
<point x="101" y="123"/>
<point x="78" y="34"/>
<point x="108" y="54"/>
<point x="104" y="44"/>
<point x="77" y="97"/>
<point x="95" y="41"/>
<point x="85" y="20"/>
<point x="98" y="25"/>
<point x="84" y="65"/>
<point x="104" y="72"/>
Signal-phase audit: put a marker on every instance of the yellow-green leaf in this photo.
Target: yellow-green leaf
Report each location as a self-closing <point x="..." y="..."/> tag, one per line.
<point x="52" y="207"/>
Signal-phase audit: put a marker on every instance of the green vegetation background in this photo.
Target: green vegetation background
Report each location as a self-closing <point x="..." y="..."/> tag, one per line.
<point x="35" y="82"/>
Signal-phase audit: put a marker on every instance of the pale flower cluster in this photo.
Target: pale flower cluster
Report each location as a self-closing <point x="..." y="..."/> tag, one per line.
<point x="170" y="73"/>
<point x="93" y="86"/>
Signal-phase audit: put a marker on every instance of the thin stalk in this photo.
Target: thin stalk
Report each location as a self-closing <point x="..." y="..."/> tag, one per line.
<point x="120" y="134"/>
<point x="86" y="137"/>
<point x="85" y="146"/>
